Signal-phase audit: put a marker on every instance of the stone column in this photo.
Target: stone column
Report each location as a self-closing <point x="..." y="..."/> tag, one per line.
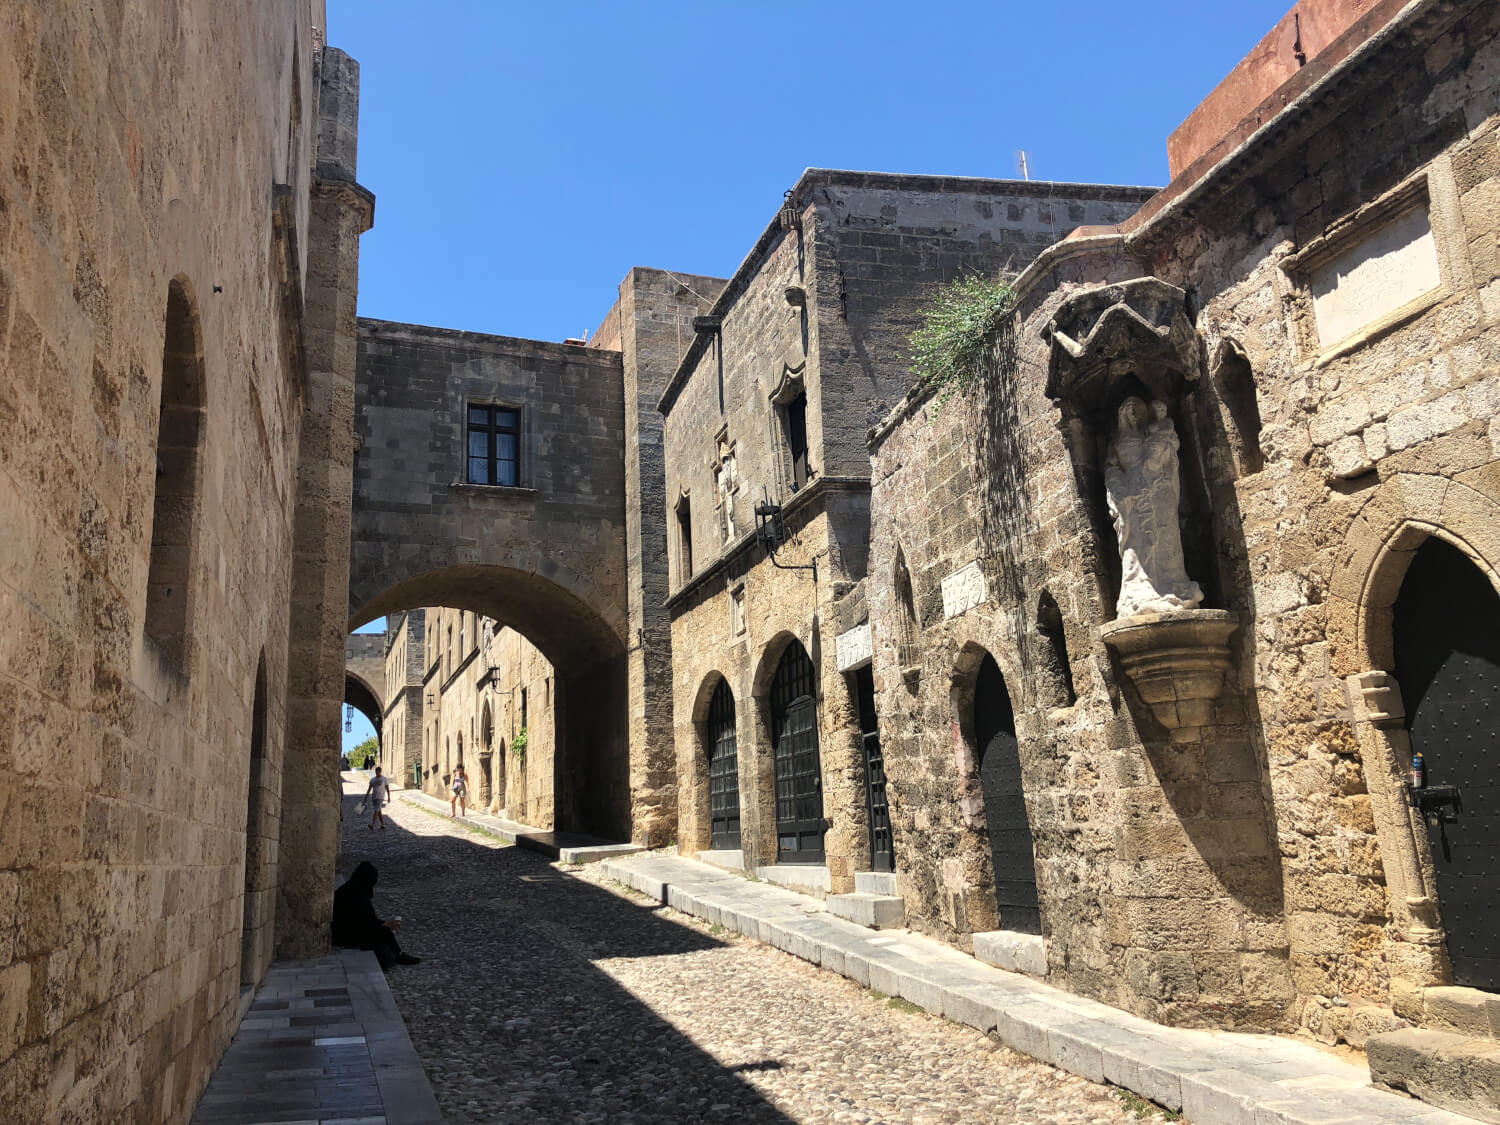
<point x="341" y="211"/>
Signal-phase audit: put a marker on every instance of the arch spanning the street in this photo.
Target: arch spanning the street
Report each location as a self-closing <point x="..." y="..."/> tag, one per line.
<point x="364" y="698"/>
<point x="530" y="534"/>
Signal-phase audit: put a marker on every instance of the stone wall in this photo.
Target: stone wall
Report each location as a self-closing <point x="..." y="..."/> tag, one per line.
<point x="135" y="777"/>
<point x="822" y="308"/>
<point x="1259" y="866"/>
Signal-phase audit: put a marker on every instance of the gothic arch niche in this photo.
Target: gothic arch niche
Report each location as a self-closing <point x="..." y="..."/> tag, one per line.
<point x="259" y="885"/>
<point x="179" y="471"/>
<point x="487" y="790"/>
<point x="1055" y="668"/>
<point x="992" y="782"/>
<point x="1239" y="411"/>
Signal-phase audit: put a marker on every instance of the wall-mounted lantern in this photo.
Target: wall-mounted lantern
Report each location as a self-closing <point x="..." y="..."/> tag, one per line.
<point x="348" y="719"/>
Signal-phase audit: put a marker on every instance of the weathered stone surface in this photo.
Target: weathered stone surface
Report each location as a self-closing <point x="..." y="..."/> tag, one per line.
<point x="1444" y="1069"/>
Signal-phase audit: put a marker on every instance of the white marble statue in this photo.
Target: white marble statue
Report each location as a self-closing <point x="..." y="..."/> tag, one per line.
<point x="1142" y="484"/>
<point x="727" y="484"/>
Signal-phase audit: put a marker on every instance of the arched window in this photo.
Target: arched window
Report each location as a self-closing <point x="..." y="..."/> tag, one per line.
<point x="723" y="770"/>
<point x="1057" y="670"/>
<point x="174" y="516"/>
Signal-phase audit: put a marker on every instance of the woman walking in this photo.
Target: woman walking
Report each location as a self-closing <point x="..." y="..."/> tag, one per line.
<point x="460" y="796"/>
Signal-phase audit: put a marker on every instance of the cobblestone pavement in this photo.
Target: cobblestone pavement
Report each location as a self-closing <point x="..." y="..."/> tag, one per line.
<point x="553" y="995"/>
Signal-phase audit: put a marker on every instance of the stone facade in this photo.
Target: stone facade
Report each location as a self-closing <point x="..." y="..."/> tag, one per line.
<point x="1322" y="320"/>
<point x="805" y="348"/>
<point x="180" y="226"/>
<point x="403" y="668"/>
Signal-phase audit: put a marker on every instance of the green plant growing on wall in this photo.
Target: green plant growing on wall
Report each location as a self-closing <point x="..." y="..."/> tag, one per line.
<point x="518" y="744"/>
<point x="967" y="320"/>
<point x="363" y="756"/>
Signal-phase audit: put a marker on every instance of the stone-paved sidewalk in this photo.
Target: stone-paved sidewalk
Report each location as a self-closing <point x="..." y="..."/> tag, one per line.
<point x="322" y="1044"/>
<point x="1213" y="1078"/>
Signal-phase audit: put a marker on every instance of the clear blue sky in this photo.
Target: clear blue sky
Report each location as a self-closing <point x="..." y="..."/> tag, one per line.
<point x="525" y="156"/>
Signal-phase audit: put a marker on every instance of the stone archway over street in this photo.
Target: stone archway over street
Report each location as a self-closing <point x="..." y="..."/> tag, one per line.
<point x="529" y="531"/>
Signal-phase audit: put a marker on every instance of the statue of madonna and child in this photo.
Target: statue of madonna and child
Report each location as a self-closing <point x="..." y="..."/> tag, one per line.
<point x="1142" y="484"/>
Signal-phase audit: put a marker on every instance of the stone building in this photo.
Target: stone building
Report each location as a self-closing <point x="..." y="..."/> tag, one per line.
<point x="1161" y="616"/>
<point x="805" y="348"/>
<point x="180" y="226"/>
<point x="489" y="704"/>
<point x="403" y="669"/>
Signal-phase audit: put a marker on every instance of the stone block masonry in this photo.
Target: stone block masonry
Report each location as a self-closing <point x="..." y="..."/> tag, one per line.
<point x="180" y="238"/>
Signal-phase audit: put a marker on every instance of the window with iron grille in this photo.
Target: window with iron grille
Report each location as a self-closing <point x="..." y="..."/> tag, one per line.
<point x="494" y="445"/>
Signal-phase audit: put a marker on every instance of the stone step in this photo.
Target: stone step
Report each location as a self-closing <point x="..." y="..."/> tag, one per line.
<point x="878" y="912"/>
<point x="807" y="879"/>
<point x="876" y="883"/>
<point x="1467" y="1011"/>
<point x="729" y="860"/>
<point x="1014" y="952"/>
<point x="1454" y="1071"/>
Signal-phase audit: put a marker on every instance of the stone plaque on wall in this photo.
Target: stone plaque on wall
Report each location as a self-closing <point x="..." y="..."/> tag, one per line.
<point x="853" y="648"/>
<point x="963" y="589"/>
<point x="1380" y="274"/>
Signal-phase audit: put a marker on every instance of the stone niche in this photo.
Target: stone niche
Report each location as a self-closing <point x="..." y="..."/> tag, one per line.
<point x="1123" y="357"/>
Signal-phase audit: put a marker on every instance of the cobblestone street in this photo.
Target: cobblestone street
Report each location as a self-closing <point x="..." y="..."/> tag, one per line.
<point x="555" y="996"/>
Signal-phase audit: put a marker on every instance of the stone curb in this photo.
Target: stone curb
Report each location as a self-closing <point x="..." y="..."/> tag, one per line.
<point x="1211" y="1077"/>
<point x="564" y="846"/>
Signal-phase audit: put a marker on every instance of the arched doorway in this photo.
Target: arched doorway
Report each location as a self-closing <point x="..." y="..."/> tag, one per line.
<point x="723" y="771"/>
<point x="797" y="767"/>
<point x="1004" y="804"/>
<point x="256" y="894"/>
<point x="1446" y="621"/>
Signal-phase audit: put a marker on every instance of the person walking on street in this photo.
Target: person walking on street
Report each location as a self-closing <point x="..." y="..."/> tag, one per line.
<point x="378" y="795"/>
<point x="460" y="796"/>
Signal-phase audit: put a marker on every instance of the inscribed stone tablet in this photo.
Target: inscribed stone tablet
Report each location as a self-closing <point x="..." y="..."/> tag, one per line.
<point x="1392" y="267"/>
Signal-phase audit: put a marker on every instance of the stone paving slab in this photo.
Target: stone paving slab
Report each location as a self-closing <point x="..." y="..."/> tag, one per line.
<point x="569" y="847"/>
<point x="1211" y="1077"/>
<point x="321" y="1044"/>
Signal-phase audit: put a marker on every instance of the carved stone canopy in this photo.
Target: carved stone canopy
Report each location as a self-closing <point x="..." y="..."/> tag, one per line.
<point x="1108" y="339"/>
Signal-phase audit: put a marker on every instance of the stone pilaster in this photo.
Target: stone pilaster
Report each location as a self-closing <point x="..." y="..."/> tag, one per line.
<point x="341" y="211"/>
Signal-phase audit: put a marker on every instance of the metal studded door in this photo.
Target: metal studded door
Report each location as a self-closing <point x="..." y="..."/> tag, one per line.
<point x="882" y="847"/>
<point x="1447" y="634"/>
<point x="1004" y="804"/>
<point x="799" y="774"/>
<point x="723" y="771"/>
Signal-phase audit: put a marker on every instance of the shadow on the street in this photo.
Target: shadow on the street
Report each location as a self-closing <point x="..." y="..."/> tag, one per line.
<point x="558" y="1033"/>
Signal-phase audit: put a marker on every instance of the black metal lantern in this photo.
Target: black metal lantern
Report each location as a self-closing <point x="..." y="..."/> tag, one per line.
<point x="348" y="718"/>
<point x="791" y="218"/>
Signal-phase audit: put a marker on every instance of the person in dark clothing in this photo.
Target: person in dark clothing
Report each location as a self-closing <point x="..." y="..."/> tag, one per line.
<point x="357" y="926"/>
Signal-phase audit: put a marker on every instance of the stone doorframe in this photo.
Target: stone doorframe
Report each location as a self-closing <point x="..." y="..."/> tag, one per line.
<point x="1399" y="516"/>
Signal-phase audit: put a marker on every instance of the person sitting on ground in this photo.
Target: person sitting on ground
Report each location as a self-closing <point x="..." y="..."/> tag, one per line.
<point x="357" y="926"/>
<point x="377" y="795"/>
<point x="460" y="791"/>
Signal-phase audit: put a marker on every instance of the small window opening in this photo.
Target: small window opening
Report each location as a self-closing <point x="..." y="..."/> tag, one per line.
<point x="494" y="445"/>
<point x="1057" y="672"/>
<point x="684" y="538"/>
<point x="174" y="515"/>
<point x="523" y="709"/>
<point x="796" y="439"/>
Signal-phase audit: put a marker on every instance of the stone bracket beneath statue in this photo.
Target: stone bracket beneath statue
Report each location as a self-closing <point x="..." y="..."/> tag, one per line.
<point x="1177" y="661"/>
